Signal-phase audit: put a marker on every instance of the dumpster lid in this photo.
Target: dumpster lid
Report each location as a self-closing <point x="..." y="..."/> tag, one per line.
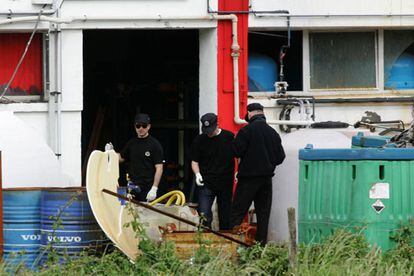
<point x="309" y="153"/>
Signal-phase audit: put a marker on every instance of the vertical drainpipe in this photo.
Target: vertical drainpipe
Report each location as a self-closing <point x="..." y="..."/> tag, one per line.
<point x="54" y="103"/>
<point x="232" y="61"/>
<point x="51" y="87"/>
<point x="58" y="94"/>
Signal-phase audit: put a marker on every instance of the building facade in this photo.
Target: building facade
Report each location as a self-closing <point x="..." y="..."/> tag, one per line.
<point x="91" y="65"/>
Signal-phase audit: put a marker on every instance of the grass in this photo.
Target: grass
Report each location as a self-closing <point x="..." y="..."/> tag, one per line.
<point x="343" y="253"/>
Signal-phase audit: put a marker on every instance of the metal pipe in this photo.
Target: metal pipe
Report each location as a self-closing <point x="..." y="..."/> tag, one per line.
<point x="289" y="122"/>
<point x="337" y="15"/>
<point x="58" y="94"/>
<point x="284" y="13"/>
<point x="35" y="18"/>
<point x="51" y="104"/>
<point x="175" y="217"/>
<point x="209" y="10"/>
<point x="301" y="109"/>
<point x="10" y="12"/>
<point x="353" y="100"/>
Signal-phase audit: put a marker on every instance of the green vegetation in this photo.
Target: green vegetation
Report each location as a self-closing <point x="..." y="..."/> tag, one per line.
<point x="343" y="253"/>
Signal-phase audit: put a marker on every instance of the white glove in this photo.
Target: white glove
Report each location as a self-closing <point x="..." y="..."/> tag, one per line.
<point x="235" y="177"/>
<point x="152" y="194"/>
<point x="109" y="146"/>
<point x="199" y="179"/>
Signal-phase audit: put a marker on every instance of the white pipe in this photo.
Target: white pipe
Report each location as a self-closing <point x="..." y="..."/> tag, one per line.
<point x="235" y="48"/>
<point x="35" y="18"/>
<point x="10" y="12"/>
<point x="58" y="95"/>
<point x="289" y="122"/>
<point x="51" y="104"/>
<point x="337" y="15"/>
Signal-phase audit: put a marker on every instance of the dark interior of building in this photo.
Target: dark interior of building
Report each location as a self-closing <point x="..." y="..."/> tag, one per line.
<point x="139" y="71"/>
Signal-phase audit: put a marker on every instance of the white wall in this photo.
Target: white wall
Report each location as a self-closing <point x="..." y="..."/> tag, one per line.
<point x="208" y="71"/>
<point x="329" y="9"/>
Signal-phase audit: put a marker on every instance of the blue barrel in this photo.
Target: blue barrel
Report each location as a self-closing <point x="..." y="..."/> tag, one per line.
<point x="402" y="73"/>
<point x="68" y="225"/>
<point x="262" y="73"/>
<point x="21" y="226"/>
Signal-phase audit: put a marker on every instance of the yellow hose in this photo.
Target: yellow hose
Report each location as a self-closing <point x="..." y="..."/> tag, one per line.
<point x="177" y="195"/>
<point x="182" y="197"/>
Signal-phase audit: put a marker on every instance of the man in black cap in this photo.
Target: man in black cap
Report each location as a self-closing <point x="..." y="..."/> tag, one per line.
<point x="260" y="150"/>
<point x="144" y="155"/>
<point x="212" y="162"/>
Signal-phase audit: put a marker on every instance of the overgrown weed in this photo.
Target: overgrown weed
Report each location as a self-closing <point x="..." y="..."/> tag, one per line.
<point x="343" y="253"/>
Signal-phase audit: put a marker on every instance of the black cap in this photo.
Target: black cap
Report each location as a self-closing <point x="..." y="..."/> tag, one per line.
<point x="208" y="123"/>
<point x="254" y="106"/>
<point x="142" y="118"/>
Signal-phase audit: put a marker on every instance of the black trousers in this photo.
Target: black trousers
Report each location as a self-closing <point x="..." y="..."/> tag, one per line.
<point x="206" y="198"/>
<point x="259" y="191"/>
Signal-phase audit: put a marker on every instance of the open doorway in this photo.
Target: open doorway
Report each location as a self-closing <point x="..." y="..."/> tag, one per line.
<point x="148" y="71"/>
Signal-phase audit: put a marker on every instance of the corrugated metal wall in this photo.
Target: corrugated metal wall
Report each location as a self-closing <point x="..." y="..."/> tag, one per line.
<point x="28" y="80"/>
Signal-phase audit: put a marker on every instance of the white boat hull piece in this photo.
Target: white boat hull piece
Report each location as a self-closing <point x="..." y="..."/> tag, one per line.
<point x="111" y="215"/>
<point x="103" y="173"/>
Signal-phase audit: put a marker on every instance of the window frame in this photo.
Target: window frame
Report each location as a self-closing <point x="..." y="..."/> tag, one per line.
<point x="318" y="91"/>
<point x="45" y="76"/>
<point x="379" y="90"/>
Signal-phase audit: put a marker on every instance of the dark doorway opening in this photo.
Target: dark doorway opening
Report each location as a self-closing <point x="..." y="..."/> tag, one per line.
<point x="147" y="71"/>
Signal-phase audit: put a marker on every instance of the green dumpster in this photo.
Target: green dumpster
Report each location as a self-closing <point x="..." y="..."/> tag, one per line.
<point x="365" y="189"/>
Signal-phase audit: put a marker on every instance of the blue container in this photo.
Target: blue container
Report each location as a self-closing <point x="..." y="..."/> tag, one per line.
<point x="373" y="141"/>
<point x="21" y="226"/>
<point x="68" y="224"/>
<point x="262" y="73"/>
<point x="402" y="73"/>
<point x="122" y="191"/>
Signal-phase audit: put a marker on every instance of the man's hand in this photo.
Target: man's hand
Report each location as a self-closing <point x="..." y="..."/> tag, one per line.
<point x="199" y="179"/>
<point x="109" y="146"/>
<point x="152" y="194"/>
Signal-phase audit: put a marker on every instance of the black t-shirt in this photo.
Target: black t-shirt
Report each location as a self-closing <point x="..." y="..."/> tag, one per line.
<point x="142" y="154"/>
<point x="215" y="158"/>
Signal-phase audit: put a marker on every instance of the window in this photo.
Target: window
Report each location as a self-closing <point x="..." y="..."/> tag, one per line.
<point x="399" y="60"/>
<point x="264" y="64"/>
<point x="29" y="78"/>
<point x="342" y="60"/>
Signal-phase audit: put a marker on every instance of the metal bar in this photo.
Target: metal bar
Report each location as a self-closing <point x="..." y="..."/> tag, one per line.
<point x="175" y="217"/>
<point x="210" y="10"/>
<point x="268" y="34"/>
